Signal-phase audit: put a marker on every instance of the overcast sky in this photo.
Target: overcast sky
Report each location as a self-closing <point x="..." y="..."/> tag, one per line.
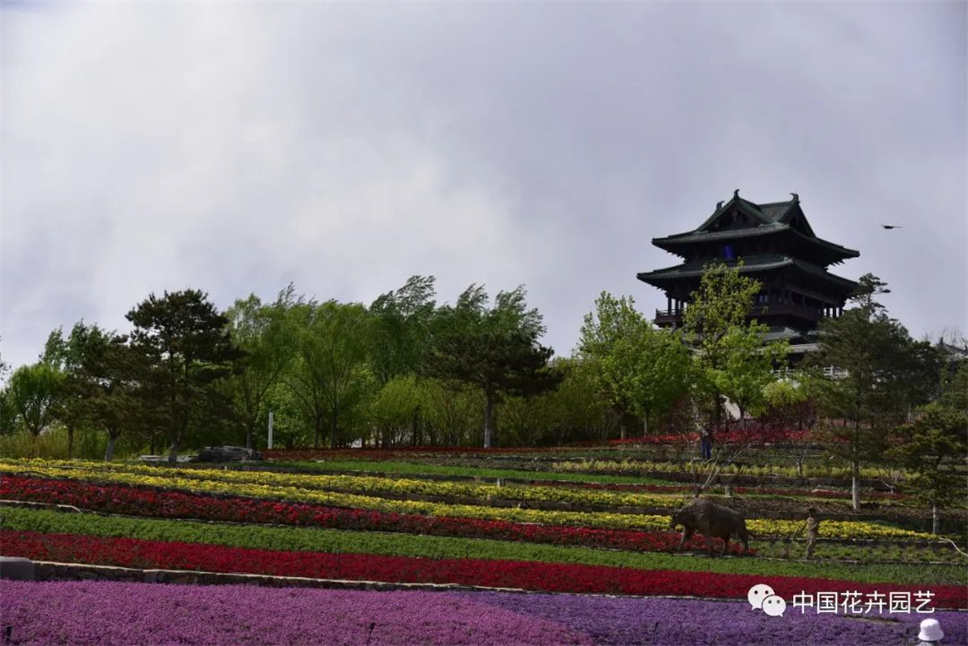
<point x="235" y="147"/>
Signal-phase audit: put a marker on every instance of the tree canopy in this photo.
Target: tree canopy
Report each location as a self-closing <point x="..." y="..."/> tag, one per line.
<point x="494" y="349"/>
<point x="186" y="343"/>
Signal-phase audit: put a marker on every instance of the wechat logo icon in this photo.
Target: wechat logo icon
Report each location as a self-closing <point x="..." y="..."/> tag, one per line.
<point x="762" y="597"/>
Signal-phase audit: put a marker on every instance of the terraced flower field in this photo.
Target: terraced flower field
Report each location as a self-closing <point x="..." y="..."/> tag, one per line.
<point x="558" y="542"/>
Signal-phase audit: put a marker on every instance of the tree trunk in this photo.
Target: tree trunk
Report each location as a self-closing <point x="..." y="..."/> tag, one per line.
<point x="70" y="441"/>
<point x="414" y="429"/>
<point x="249" y="433"/>
<point x="109" y="453"/>
<point x="855" y="485"/>
<point x="332" y="429"/>
<point x="645" y="424"/>
<point x="488" y="420"/>
<point x="317" y="431"/>
<point x="935" y="519"/>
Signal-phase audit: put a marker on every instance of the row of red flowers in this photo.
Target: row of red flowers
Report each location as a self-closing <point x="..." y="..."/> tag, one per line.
<point x="549" y="577"/>
<point x="134" y="501"/>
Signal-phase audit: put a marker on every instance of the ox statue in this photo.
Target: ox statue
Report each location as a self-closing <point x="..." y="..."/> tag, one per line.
<point x="712" y="521"/>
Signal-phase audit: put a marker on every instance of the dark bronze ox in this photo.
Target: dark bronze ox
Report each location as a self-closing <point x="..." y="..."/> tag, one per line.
<point x="712" y="521"/>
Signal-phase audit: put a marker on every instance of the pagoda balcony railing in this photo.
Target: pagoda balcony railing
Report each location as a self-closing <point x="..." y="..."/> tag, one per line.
<point x="772" y="307"/>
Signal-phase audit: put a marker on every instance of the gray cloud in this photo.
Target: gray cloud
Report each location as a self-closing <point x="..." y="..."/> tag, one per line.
<point x="236" y="147"/>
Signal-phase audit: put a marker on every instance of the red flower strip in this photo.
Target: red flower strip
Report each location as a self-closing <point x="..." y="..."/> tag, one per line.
<point x="549" y="577"/>
<point x="134" y="501"/>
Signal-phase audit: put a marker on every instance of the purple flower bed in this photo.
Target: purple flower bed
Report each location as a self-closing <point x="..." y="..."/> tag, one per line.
<point x="681" y="622"/>
<point x="122" y="614"/>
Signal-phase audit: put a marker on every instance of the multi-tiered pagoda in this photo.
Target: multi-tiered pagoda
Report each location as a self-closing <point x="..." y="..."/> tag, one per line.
<point x="778" y="248"/>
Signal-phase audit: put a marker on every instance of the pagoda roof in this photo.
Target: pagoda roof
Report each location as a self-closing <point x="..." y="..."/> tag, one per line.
<point x="751" y="265"/>
<point x="765" y="219"/>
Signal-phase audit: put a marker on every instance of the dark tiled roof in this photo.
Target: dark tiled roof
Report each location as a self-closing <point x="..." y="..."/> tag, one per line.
<point x="769" y="213"/>
<point x="690" y="236"/>
<point x="732" y="234"/>
<point x="772" y="217"/>
<point x="751" y="265"/>
<point x="776" y="210"/>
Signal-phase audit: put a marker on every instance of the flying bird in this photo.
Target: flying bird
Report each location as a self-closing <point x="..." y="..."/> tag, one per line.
<point x="892" y="226"/>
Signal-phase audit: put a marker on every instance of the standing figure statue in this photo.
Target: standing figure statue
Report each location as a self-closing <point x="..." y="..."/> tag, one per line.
<point x="812" y="527"/>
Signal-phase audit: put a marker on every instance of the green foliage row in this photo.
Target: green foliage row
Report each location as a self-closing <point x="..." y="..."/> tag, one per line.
<point x="334" y="541"/>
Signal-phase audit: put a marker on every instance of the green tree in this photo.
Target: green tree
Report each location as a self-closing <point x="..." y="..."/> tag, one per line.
<point x="186" y="342"/>
<point x="290" y="423"/>
<point x="638" y="367"/>
<point x="396" y="411"/>
<point x="33" y="395"/>
<point x="101" y="376"/>
<point x="453" y="413"/>
<point x="402" y="329"/>
<point x="262" y="333"/>
<point x="493" y="349"/>
<point x="8" y="416"/>
<point x="871" y="391"/>
<point x="63" y="354"/>
<point x="731" y="356"/>
<point x="329" y="376"/>
<point x="746" y="367"/>
<point x="931" y="449"/>
<point x="581" y="410"/>
<point x="601" y="332"/>
<point x="954" y="393"/>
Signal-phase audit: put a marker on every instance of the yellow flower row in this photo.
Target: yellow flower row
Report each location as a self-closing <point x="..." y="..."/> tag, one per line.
<point x="605" y="520"/>
<point x="399" y="486"/>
